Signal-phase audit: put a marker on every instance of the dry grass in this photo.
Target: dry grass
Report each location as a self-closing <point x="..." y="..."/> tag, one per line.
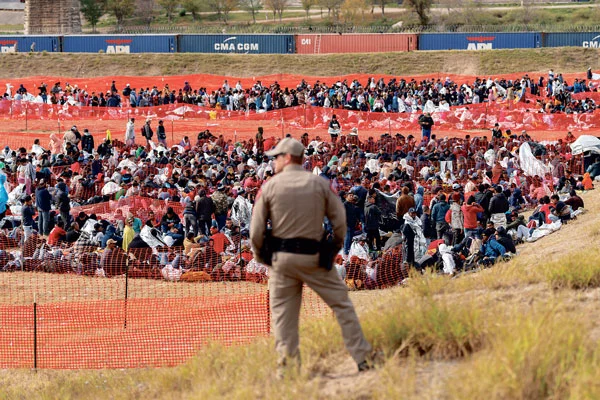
<point x="482" y="63"/>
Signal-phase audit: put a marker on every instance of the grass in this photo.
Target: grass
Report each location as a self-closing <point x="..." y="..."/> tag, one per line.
<point x="577" y="271"/>
<point x="530" y="357"/>
<point x="480" y="63"/>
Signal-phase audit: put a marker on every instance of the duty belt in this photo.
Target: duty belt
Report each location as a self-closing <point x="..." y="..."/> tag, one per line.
<point x="296" y="245"/>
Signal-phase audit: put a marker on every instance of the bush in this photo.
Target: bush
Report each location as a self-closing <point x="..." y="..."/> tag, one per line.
<point x="182" y="12"/>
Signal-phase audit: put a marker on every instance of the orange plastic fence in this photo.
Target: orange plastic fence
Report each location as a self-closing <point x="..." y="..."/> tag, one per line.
<point x="74" y="305"/>
<point x="212" y="82"/>
<point x="26" y="122"/>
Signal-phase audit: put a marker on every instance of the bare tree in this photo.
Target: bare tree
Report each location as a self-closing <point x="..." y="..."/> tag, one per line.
<point x="252" y="6"/>
<point x="353" y="10"/>
<point x="307" y="5"/>
<point x="223" y="7"/>
<point x="193" y="7"/>
<point x="169" y="6"/>
<point x="277" y="6"/>
<point x="381" y="4"/>
<point x="145" y="10"/>
<point x="332" y="6"/>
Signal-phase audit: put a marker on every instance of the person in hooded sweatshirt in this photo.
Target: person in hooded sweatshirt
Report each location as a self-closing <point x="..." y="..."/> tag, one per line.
<point x="3" y="196"/>
<point x="87" y="142"/>
<point x="63" y="203"/>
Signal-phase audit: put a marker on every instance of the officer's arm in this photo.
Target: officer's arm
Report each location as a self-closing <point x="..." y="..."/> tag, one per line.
<point x="336" y="213"/>
<point x="258" y="224"/>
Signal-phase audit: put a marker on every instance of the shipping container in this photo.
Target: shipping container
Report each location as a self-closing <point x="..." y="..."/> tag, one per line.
<point x="355" y="43"/>
<point x="120" y="44"/>
<point x="574" y="39"/>
<point x="25" y="44"/>
<point x="243" y="44"/>
<point x="479" y="41"/>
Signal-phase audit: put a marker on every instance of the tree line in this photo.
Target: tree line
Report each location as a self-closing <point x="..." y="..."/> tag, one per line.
<point x="337" y="10"/>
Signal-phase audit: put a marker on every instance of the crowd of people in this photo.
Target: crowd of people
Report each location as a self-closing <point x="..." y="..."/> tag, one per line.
<point x="552" y="93"/>
<point x="445" y="203"/>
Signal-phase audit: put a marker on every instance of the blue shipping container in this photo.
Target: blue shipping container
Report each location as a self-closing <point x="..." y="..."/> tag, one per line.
<point x="576" y="39"/>
<point x="479" y="41"/>
<point x="25" y="44"/>
<point x="123" y="44"/>
<point x="244" y="44"/>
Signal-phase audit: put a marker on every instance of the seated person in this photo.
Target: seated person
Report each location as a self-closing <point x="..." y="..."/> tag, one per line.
<point x="505" y="240"/>
<point x="490" y="248"/>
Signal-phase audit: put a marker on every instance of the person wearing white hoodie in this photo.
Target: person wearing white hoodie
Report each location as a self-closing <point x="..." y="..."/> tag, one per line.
<point x="130" y="132"/>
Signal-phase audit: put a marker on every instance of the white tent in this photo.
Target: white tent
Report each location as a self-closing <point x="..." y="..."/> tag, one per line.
<point x="585" y="143"/>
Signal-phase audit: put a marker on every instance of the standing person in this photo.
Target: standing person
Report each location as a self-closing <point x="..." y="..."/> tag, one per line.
<point x="372" y="217"/>
<point x="63" y="203"/>
<point x="161" y="134"/>
<point x="498" y="208"/>
<point x="352" y="219"/>
<point x="205" y="208"/>
<point x="334" y="128"/>
<point x="426" y="123"/>
<point x="260" y="142"/>
<point x="470" y="210"/>
<point x="27" y="213"/>
<point x="3" y="195"/>
<point x="130" y="133"/>
<point x="87" y="142"/>
<point x="147" y="132"/>
<point x="438" y="215"/>
<point x="415" y="244"/>
<point x="296" y="202"/>
<point x="221" y="203"/>
<point x="43" y="202"/>
<point x="190" y="219"/>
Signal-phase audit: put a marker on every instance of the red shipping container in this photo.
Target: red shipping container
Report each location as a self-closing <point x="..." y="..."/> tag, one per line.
<point x="355" y="43"/>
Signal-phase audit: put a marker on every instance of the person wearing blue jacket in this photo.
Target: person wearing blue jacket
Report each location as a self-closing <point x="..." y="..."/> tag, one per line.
<point x="490" y="247"/>
<point x="43" y="203"/>
<point x="438" y="215"/>
<point x="3" y="196"/>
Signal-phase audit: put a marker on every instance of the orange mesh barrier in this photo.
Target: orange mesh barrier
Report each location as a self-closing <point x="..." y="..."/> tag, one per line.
<point x="74" y="305"/>
<point x="18" y="131"/>
<point x="213" y="82"/>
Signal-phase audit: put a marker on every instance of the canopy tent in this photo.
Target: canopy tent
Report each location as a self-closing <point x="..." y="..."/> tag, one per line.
<point x="585" y="143"/>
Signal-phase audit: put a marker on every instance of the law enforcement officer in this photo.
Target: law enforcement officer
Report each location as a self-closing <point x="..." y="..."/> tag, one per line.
<point x="296" y="202"/>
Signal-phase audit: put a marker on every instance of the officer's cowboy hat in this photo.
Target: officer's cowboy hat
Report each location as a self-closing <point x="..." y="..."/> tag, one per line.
<point x="287" y="146"/>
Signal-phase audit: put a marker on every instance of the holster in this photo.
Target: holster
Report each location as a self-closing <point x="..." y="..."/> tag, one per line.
<point x="327" y="251"/>
<point x="266" y="251"/>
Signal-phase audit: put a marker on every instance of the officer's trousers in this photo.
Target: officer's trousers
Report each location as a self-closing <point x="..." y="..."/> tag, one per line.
<point x="288" y="273"/>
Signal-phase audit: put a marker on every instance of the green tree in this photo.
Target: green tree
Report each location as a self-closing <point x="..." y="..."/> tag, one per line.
<point x="92" y="10"/>
<point x="121" y="9"/>
<point x="421" y="8"/>
<point x="193" y="7"/>
<point x="307" y="5"/>
<point x="277" y="6"/>
<point x="169" y="6"/>
<point x="252" y="6"/>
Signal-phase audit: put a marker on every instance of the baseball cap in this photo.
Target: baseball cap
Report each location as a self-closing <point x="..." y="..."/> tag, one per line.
<point x="287" y="146"/>
<point x="412" y="210"/>
<point x="111" y="241"/>
<point x="455" y="186"/>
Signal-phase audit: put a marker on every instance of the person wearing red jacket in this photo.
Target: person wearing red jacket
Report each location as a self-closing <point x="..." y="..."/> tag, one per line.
<point x="470" y="210"/>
